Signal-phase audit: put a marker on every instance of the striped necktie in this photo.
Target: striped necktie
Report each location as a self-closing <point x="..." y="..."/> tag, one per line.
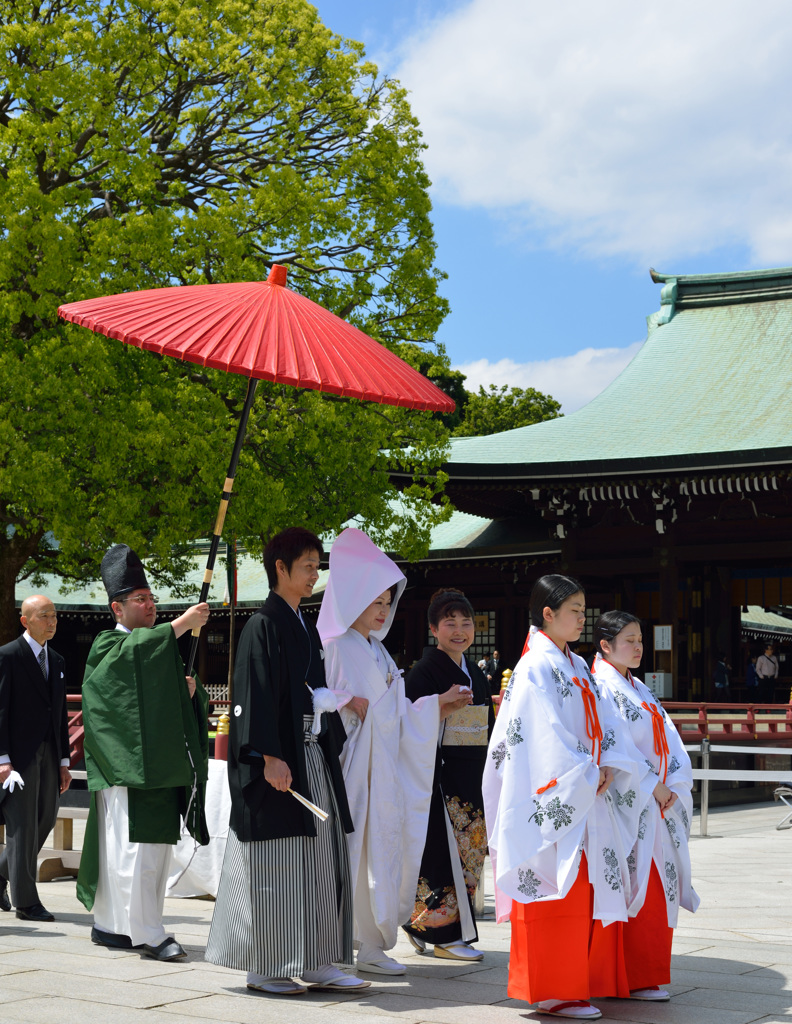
<point x="42" y="660"/>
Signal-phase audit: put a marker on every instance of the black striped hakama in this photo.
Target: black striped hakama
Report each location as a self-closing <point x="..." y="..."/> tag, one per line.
<point x="284" y="906"/>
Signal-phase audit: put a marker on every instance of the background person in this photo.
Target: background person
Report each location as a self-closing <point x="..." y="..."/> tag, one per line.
<point x="388" y="759"/>
<point x="659" y="863"/>
<point x="494" y="672"/>
<point x="720" y="679"/>
<point x="767" y="669"/>
<point x="452" y="861"/>
<point x="34" y="744"/>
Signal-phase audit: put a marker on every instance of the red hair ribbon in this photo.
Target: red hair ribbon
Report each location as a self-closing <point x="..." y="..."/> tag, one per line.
<point x="593" y="727"/>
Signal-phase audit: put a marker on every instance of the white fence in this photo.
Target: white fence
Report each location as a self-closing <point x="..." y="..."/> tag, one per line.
<point x="705" y="774"/>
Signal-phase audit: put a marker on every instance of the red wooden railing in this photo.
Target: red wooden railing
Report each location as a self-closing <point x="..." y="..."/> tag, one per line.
<point x="749" y="723"/>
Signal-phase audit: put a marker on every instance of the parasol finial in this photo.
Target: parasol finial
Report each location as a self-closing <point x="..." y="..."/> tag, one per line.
<point x="277" y="275"/>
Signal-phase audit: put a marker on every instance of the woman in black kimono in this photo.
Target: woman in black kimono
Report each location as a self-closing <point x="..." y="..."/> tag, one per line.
<point x="456" y="840"/>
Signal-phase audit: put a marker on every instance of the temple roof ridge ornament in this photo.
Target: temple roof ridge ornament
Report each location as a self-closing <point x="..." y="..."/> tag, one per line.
<point x="696" y="291"/>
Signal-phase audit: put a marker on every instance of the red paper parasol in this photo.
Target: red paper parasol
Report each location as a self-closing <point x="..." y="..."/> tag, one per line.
<point x="263" y="331"/>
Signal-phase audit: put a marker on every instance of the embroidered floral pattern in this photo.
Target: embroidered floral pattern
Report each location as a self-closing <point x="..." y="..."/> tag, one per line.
<point x="671" y="881"/>
<point x="628" y="710"/>
<point x="562" y="684"/>
<point x="583" y="749"/>
<point x="631" y="862"/>
<point x="673" y="765"/>
<point x="499" y="753"/>
<point x="624" y="798"/>
<point x="434" y="908"/>
<point x="554" y="810"/>
<point x="529" y="883"/>
<point x="513" y="734"/>
<point x="612" y="869"/>
<point x="643" y="821"/>
<point x="650" y="766"/>
<point x="609" y="739"/>
<point x="471" y="837"/>
<point x="683" y="815"/>
<point x="672" y="831"/>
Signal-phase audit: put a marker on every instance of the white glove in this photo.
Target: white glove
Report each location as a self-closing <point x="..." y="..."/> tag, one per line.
<point x="12" y="779"/>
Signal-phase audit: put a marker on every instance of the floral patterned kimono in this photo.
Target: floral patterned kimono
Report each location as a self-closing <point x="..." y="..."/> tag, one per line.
<point x="559" y="851"/>
<point x="456" y="840"/>
<point x="553" y="732"/>
<point x="662" y="839"/>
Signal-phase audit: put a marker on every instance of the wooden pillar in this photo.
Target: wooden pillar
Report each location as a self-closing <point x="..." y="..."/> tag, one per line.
<point x="668" y="661"/>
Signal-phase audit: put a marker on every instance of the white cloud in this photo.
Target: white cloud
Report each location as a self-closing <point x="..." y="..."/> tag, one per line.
<point x="617" y="128"/>
<point x="572" y="380"/>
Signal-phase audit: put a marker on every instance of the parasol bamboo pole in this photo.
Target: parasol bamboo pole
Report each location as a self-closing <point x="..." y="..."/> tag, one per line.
<point x="228" y="487"/>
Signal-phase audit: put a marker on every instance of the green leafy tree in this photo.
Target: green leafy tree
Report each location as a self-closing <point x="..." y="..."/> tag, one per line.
<point x="160" y="142"/>
<point x="492" y="410"/>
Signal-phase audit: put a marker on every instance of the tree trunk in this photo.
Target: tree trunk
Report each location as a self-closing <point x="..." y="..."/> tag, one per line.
<point x="14" y="553"/>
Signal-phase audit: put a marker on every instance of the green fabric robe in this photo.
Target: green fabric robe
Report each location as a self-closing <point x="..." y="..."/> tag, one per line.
<point x="140" y="724"/>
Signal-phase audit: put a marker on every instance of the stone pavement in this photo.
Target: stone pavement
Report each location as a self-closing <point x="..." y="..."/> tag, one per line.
<point x="732" y="961"/>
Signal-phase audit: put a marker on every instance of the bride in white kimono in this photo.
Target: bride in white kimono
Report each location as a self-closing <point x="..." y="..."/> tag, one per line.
<point x="659" y="862"/>
<point x="563" y="788"/>
<point x="388" y="759"/>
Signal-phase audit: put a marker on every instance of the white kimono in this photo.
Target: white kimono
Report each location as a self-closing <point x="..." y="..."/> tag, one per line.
<point x="662" y="839"/>
<point x="540" y="786"/>
<point x="388" y="763"/>
<point x="389" y="760"/>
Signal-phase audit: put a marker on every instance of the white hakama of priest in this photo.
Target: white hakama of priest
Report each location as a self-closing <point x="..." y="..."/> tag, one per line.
<point x="388" y="764"/>
<point x="540" y="786"/>
<point x="662" y="838"/>
<point x="130" y="892"/>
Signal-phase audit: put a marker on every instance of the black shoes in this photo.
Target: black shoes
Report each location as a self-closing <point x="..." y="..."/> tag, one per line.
<point x="5" y="899"/>
<point x="168" y="949"/>
<point x="34" y="913"/>
<point x="110" y="939"/>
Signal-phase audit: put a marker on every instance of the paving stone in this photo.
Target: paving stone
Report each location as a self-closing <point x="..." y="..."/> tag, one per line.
<point x="128" y="968"/>
<point x="99" y="990"/>
<point x="254" y="1008"/>
<point x="54" y="1010"/>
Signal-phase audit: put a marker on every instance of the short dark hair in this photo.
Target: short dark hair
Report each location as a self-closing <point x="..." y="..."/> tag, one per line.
<point x="446" y="602"/>
<point x="551" y="592"/>
<point x="610" y="624"/>
<point x="286" y="547"/>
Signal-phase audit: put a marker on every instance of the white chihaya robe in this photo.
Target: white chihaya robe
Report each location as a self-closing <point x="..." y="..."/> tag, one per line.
<point x="388" y="764"/>
<point x="540" y="785"/>
<point x="660" y="839"/>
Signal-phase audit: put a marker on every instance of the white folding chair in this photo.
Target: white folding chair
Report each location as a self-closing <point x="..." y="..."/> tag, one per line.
<point x="784" y="794"/>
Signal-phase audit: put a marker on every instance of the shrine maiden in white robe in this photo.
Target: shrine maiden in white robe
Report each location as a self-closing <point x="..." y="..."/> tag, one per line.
<point x="388" y="760"/>
<point x="662" y="838"/>
<point x="541" y="780"/>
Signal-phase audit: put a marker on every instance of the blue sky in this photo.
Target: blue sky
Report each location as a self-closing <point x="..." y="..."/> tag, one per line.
<point x="571" y="146"/>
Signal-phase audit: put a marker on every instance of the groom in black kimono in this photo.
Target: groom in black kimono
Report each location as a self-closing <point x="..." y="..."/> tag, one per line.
<point x="284" y="905"/>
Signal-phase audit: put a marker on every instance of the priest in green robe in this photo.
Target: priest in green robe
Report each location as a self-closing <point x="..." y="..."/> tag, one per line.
<point x="146" y="751"/>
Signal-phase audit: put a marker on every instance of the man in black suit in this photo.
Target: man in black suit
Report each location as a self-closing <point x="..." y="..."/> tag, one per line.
<point x="494" y="672"/>
<point x="34" y="745"/>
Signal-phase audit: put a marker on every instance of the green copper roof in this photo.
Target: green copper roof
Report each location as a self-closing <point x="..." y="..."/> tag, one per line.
<point x="709" y="388"/>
